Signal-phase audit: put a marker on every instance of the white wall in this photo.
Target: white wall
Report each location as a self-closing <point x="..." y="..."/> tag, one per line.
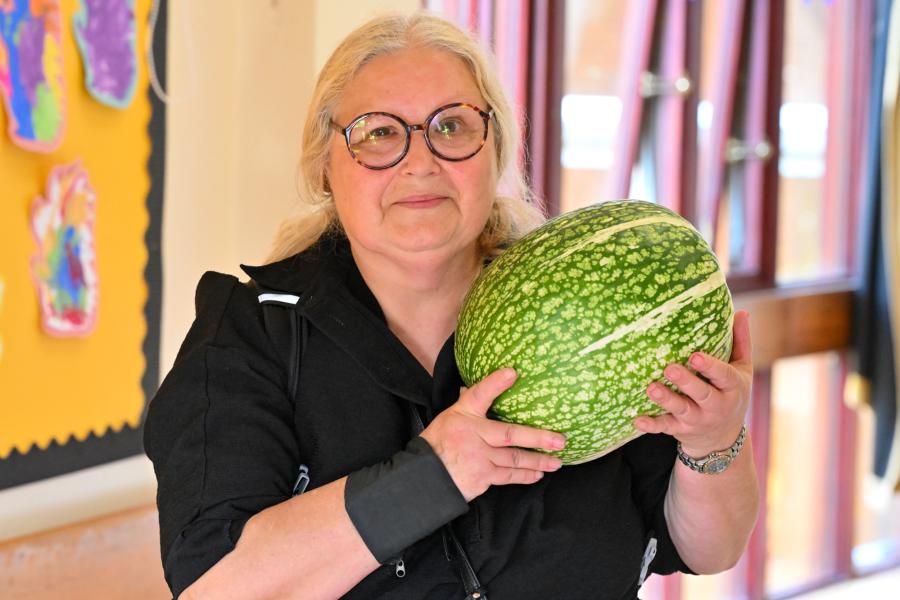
<point x="240" y="74"/>
<point x="234" y="138"/>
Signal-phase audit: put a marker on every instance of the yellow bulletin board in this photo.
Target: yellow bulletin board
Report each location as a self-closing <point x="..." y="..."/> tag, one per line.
<point x="76" y="399"/>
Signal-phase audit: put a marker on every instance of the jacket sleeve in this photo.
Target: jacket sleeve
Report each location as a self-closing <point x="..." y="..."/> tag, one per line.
<point x="219" y="431"/>
<point x="651" y="458"/>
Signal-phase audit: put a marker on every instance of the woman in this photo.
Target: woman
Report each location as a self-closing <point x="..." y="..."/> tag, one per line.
<point x="407" y="141"/>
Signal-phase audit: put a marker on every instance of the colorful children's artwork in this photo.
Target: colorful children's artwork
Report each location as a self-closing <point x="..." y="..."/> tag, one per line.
<point x="64" y="267"/>
<point x="31" y="80"/>
<point x="105" y="32"/>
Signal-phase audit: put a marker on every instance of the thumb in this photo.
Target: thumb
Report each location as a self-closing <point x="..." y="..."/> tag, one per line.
<point x="742" y="348"/>
<point x="478" y="398"/>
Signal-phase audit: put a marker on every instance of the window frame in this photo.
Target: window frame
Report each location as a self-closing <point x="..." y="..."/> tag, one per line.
<point x="787" y="320"/>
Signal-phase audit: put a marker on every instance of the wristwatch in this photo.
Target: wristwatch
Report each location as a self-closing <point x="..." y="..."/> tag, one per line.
<point x="714" y="462"/>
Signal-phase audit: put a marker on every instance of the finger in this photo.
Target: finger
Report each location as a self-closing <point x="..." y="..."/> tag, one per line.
<point x="661" y="424"/>
<point x="742" y="349"/>
<point x="677" y="405"/>
<point x="505" y="476"/>
<point x="478" y="398"/>
<point x="720" y="374"/>
<point x="501" y="435"/>
<point x="518" y="458"/>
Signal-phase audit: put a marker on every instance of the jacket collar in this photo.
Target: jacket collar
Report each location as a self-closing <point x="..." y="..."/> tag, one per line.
<point x="299" y="274"/>
<point x="319" y="276"/>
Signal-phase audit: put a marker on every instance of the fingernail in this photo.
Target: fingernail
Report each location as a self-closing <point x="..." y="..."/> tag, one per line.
<point x="554" y="465"/>
<point x="559" y="443"/>
<point x="672" y="373"/>
<point x="656" y="391"/>
<point x="697" y="361"/>
<point x="509" y="374"/>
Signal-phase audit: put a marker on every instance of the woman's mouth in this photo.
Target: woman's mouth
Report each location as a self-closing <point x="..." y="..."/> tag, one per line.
<point x="421" y="201"/>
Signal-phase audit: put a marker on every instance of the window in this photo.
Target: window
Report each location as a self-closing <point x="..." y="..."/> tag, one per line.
<point x="590" y="109"/>
<point x="749" y="118"/>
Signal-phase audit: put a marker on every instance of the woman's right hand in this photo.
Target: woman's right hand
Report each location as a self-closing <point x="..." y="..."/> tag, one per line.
<point x="479" y="452"/>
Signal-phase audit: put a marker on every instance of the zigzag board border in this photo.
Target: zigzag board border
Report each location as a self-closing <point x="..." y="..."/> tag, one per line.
<point x="58" y="459"/>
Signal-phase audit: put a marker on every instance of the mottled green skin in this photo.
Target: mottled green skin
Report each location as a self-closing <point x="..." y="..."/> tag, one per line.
<point x="534" y="310"/>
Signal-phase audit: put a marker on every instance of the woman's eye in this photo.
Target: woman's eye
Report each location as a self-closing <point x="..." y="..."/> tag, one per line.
<point x="380" y="133"/>
<point x="449" y="126"/>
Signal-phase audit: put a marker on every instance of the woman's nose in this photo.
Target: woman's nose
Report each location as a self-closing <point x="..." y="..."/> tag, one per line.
<point x="419" y="160"/>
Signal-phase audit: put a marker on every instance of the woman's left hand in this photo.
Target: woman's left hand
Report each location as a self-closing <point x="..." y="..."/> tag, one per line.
<point x="707" y="416"/>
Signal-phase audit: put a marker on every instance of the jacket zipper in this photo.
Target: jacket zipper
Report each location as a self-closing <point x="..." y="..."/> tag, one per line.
<point x="417" y="419"/>
<point x="399" y="567"/>
<point x="398" y="563"/>
<point x="302" y="481"/>
<point x="470" y="579"/>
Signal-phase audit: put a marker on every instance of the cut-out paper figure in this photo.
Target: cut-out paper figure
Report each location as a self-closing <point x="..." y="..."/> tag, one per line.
<point x="64" y="267"/>
<point x="105" y="32"/>
<point x="31" y="80"/>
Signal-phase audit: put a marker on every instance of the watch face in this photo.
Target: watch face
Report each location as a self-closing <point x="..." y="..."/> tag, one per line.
<point x="717" y="464"/>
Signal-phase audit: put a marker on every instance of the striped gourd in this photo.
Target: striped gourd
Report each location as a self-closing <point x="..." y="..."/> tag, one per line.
<point x="590" y="308"/>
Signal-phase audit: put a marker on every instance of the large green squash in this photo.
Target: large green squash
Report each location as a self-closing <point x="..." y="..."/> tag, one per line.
<point x="589" y="309"/>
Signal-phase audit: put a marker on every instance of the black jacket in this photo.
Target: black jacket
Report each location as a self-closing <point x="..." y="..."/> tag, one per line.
<point x="226" y="442"/>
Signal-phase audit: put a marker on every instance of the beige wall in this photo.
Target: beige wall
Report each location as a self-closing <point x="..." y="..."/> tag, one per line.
<point x="240" y="73"/>
<point x="239" y="81"/>
<point x="234" y="127"/>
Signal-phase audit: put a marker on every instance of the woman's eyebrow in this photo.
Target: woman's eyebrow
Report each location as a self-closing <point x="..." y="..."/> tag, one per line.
<point x="480" y="103"/>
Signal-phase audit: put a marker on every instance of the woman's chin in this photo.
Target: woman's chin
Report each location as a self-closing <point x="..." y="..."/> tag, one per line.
<point x="433" y="247"/>
<point x="427" y="246"/>
<point x="425" y="237"/>
<point x="432" y="242"/>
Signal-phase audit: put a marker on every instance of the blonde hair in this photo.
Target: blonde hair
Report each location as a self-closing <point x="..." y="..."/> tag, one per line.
<point x="513" y="213"/>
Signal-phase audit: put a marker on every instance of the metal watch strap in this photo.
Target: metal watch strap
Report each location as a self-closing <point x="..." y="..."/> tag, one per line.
<point x="714" y="462"/>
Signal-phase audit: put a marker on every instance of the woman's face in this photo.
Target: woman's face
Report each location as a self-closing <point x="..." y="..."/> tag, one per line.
<point x="423" y="207"/>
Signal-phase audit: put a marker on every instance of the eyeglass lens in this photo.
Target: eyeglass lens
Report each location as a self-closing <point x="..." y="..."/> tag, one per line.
<point x="455" y="133"/>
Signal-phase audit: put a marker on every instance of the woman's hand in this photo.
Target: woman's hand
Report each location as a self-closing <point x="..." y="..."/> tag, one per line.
<point x="479" y="452"/>
<point x="708" y="416"/>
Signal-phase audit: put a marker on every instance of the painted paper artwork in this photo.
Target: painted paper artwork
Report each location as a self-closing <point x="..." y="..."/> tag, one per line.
<point x="64" y="267"/>
<point x="31" y="72"/>
<point x="75" y="383"/>
<point x="105" y="32"/>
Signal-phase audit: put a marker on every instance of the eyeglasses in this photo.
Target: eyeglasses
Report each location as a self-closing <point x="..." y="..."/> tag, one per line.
<point x="380" y="140"/>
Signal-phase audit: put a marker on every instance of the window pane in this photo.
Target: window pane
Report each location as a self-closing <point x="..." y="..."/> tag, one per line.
<point x="804" y="394"/>
<point x="877" y="519"/>
<point x="590" y="107"/>
<point x="653" y="588"/>
<point x="712" y="48"/>
<point x="810" y="216"/>
<point x="722" y="586"/>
